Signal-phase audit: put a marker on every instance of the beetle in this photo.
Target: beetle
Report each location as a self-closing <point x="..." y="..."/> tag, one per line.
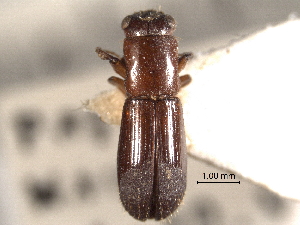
<point x="152" y="163"/>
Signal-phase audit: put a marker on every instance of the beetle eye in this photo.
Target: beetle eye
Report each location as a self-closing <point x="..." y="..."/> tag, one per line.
<point x="125" y="22"/>
<point x="171" y="21"/>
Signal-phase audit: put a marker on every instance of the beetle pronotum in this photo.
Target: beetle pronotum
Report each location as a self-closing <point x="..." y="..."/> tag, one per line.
<point x="152" y="148"/>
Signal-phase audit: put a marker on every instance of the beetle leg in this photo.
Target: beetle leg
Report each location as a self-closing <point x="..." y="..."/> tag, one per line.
<point x="183" y="59"/>
<point x="185" y="80"/>
<point x="118" y="82"/>
<point x="117" y="64"/>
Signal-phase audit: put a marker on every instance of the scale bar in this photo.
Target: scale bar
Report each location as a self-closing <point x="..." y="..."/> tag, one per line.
<point x="231" y="182"/>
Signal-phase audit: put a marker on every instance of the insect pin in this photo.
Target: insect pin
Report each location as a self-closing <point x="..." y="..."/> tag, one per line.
<point x="151" y="162"/>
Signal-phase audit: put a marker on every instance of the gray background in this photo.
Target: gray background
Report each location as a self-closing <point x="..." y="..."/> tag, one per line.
<point x="43" y="42"/>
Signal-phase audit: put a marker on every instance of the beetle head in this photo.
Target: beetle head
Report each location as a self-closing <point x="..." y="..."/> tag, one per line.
<point x="150" y="22"/>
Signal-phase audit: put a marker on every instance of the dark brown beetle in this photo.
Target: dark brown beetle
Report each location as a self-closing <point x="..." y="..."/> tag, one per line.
<point x="152" y="148"/>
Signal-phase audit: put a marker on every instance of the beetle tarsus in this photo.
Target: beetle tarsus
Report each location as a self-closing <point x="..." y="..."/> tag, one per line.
<point x="117" y="64"/>
<point x="183" y="59"/>
<point x="118" y="82"/>
<point x="185" y="80"/>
